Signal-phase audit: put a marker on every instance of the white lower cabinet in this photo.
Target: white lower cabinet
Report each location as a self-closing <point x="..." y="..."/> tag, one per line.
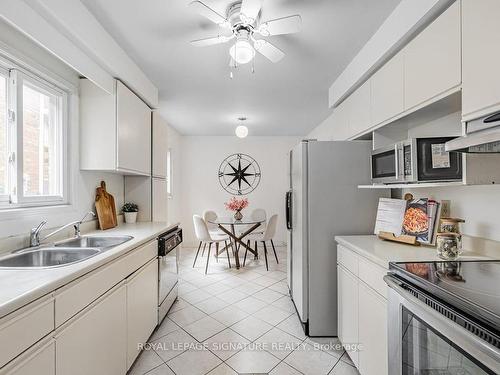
<point x="362" y="314"/>
<point x="372" y="332"/>
<point x="348" y="310"/>
<point x="92" y="325"/>
<point x="38" y="360"/>
<point x="23" y="328"/>
<point x="94" y="342"/>
<point x="142" y="308"/>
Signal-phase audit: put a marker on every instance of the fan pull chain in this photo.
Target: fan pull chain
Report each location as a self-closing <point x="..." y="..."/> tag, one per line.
<point x="232" y="65"/>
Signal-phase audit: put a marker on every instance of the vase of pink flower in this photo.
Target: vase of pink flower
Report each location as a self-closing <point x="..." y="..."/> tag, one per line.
<point x="237" y="205"/>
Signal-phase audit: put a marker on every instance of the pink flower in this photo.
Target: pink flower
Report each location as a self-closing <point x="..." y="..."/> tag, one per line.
<point x="236" y="204"/>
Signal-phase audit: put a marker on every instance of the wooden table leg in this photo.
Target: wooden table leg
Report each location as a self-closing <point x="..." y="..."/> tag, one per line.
<point x="236" y="248"/>
<point x="238" y="241"/>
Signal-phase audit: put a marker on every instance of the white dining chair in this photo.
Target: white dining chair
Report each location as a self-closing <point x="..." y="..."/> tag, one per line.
<point x="204" y="236"/>
<point x="259" y="214"/>
<point x="256" y="214"/>
<point x="267" y="236"/>
<point x="208" y="216"/>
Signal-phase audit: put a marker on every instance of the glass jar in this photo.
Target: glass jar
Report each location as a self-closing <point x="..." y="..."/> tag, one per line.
<point x="450" y="225"/>
<point x="449" y="245"/>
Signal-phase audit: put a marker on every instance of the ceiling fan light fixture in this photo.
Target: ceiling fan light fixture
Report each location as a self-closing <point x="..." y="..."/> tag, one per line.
<point x="264" y="29"/>
<point x="225" y="24"/>
<point x="241" y="131"/>
<point x="242" y="51"/>
<point x="246" y="20"/>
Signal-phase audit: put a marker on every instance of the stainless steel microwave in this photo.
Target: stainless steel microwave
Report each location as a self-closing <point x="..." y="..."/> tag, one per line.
<point x="416" y="160"/>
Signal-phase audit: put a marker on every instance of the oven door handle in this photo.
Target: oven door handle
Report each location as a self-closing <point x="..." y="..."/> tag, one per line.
<point x="462" y="338"/>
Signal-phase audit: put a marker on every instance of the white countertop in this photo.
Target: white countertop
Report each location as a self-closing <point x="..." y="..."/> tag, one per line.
<point x="20" y="287"/>
<point x="382" y="252"/>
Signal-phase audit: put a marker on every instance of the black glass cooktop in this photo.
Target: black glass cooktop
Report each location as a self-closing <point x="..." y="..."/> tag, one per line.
<point x="470" y="286"/>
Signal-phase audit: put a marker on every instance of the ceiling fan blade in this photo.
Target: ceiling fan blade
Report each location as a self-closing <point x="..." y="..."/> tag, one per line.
<point x="207" y="12"/>
<point x="211" y="41"/>
<point x="268" y="50"/>
<point x="250" y="10"/>
<point x="280" y="26"/>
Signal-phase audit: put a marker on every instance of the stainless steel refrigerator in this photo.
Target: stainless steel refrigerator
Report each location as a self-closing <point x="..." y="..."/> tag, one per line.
<point x="324" y="201"/>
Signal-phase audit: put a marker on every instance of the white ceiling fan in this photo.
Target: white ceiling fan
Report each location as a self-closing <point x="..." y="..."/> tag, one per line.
<point x="242" y="19"/>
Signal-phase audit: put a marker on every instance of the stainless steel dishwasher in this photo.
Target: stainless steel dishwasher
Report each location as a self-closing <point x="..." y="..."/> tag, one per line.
<point x="168" y="270"/>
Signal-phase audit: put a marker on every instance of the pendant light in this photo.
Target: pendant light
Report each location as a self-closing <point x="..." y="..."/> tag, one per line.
<point x="241" y="130"/>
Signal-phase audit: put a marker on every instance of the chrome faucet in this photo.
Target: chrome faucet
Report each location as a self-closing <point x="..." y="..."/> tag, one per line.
<point x="35" y="232"/>
<point x="78" y="223"/>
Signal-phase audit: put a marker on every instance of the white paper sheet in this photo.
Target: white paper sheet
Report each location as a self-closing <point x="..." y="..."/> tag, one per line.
<point x="390" y="216"/>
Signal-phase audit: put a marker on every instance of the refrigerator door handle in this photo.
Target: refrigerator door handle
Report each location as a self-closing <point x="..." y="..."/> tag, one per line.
<point x="288" y="205"/>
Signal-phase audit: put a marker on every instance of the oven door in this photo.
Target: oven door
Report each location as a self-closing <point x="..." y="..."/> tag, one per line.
<point x="386" y="165"/>
<point x="423" y="341"/>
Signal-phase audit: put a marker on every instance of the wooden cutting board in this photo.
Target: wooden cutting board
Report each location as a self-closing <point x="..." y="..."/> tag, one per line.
<point x="105" y="208"/>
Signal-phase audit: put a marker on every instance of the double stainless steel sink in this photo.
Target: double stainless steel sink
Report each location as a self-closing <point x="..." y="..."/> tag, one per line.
<point x="62" y="253"/>
<point x="101" y="242"/>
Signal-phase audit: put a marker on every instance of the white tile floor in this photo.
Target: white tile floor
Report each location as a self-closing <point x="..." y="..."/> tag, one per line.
<point x="236" y="322"/>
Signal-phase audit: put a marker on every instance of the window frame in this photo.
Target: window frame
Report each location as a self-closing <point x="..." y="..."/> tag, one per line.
<point x="5" y="198"/>
<point x="170" y="186"/>
<point x="16" y="199"/>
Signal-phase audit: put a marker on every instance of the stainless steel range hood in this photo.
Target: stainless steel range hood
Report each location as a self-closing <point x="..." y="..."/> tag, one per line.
<point x="482" y="137"/>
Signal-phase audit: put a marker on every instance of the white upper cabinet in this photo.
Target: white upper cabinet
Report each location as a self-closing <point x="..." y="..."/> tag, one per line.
<point x="160" y="200"/>
<point x="388" y="90"/>
<point x="359" y="107"/>
<point x="429" y="68"/>
<point x="160" y="146"/>
<point x="433" y="59"/>
<point x="115" y="130"/>
<point x="481" y="54"/>
<point x="133" y="125"/>
<point x="340" y="122"/>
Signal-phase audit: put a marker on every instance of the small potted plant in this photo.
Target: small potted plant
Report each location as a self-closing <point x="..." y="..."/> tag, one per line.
<point x="130" y="211"/>
<point x="237" y="205"/>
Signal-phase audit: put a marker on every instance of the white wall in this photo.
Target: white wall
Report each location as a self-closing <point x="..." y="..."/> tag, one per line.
<point x="82" y="184"/>
<point x="201" y="157"/>
<point x="175" y="202"/>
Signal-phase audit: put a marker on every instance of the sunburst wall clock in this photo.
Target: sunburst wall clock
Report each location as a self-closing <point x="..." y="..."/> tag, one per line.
<point x="239" y="174"/>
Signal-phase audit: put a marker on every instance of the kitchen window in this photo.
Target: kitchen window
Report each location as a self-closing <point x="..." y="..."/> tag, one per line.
<point x="32" y="141"/>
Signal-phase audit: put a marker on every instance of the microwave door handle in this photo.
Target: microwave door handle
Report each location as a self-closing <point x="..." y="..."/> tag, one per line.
<point x="396" y="157"/>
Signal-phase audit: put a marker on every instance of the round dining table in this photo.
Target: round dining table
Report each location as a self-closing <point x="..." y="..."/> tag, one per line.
<point x="228" y="226"/>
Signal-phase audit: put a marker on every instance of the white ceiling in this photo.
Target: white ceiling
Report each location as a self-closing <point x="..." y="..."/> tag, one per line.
<point x="197" y="97"/>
